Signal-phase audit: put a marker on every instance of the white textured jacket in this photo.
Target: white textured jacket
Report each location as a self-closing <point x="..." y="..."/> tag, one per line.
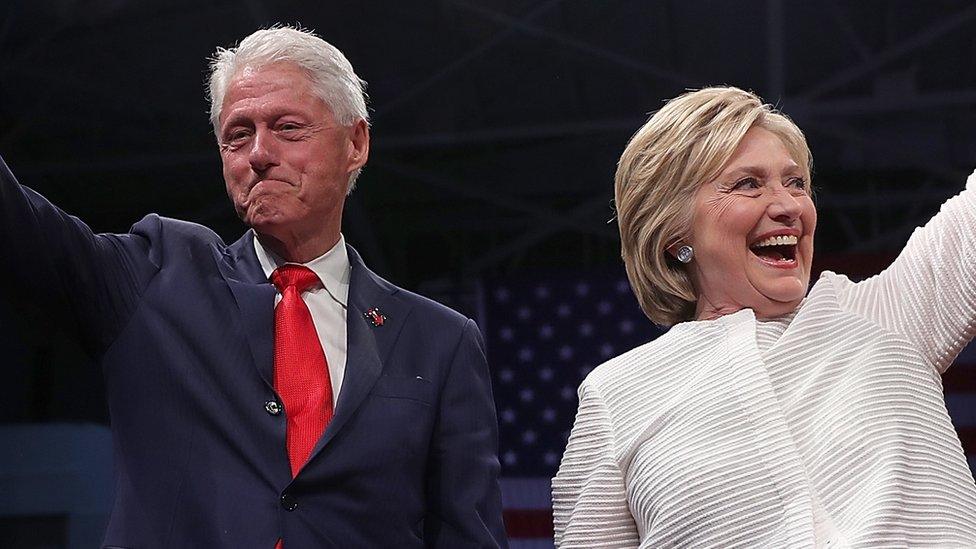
<point x="836" y="435"/>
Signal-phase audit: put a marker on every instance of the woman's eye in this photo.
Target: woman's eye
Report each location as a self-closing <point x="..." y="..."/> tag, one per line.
<point x="797" y="183"/>
<point x="746" y="183"/>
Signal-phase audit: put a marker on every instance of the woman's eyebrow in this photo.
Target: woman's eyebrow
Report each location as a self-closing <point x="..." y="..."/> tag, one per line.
<point x="759" y="171"/>
<point x="743" y="170"/>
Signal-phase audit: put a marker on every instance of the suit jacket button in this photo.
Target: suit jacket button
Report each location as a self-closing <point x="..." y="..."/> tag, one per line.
<point x="289" y="502"/>
<point x="272" y="407"/>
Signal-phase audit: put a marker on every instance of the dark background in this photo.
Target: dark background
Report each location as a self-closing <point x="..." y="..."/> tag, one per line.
<point x="496" y="127"/>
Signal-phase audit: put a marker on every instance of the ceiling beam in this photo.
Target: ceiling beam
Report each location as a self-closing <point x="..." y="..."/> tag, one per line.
<point x="573" y="218"/>
<point x="775" y="66"/>
<point x="581" y="46"/>
<point x="551" y="219"/>
<point x="847" y="29"/>
<point x="506" y="134"/>
<point x="926" y="102"/>
<point x="461" y="62"/>
<point x="875" y="62"/>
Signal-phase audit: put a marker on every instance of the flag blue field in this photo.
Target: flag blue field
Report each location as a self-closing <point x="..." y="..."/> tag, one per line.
<point x="544" y="334"/>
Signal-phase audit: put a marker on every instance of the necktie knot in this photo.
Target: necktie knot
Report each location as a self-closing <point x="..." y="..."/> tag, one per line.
<point x="299" y="276"/>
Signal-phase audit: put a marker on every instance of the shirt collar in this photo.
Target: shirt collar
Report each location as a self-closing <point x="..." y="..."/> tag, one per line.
<point x="332" y="267"/>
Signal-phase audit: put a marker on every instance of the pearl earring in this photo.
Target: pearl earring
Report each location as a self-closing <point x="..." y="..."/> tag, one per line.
<point x="685" y="254"/>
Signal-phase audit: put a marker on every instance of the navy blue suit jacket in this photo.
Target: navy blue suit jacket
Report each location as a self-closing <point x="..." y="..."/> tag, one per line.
<point x="183" y="327"/>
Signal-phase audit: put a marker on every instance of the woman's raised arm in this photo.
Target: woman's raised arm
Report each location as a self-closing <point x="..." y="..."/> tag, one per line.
<point x="928" y="294"/>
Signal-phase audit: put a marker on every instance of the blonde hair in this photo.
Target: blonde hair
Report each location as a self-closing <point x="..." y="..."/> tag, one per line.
<point x="685" y="144"/>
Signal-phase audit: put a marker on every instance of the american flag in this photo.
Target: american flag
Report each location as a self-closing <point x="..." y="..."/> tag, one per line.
<point x="546" y="332"/>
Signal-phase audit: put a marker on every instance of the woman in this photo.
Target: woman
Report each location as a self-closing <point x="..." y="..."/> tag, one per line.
<point x="767" y="416"/>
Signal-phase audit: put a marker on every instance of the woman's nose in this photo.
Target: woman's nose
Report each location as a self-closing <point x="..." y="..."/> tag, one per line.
<point x="784" y="206"/>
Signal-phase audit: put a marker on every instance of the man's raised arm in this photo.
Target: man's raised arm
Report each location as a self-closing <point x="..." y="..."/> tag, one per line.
<point x="62" y="265"/>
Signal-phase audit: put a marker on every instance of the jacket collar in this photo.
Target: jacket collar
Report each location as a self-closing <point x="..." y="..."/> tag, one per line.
<point x="254" y="295"/>
<point x="368" y="346"/>
<point x="332" y="267"/>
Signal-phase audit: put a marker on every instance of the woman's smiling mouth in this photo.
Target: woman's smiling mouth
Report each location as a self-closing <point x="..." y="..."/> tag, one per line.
<point x="776" y="250"/>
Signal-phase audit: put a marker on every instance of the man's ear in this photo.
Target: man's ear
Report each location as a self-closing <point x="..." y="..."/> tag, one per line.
<point x="358" y="145"/>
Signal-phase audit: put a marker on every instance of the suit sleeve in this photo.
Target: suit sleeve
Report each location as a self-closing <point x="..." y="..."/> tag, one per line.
<point x="928" y="294"/>
<point x="464" y="499"/>
<point x="589" y="493"/>
<point x="66" y="269"/>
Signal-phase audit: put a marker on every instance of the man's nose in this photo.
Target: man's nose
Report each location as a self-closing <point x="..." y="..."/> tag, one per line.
<point x="263" y="153"/>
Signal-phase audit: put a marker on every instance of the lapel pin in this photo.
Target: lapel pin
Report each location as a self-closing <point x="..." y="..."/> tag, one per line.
<point x="375" y="316"/>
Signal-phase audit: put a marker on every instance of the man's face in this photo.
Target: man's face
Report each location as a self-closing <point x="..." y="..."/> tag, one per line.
<point x="286" y="160"/>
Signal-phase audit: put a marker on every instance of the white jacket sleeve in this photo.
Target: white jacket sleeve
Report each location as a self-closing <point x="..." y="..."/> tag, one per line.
<point x="928" y="294"/>
<point x="589" y="495"/>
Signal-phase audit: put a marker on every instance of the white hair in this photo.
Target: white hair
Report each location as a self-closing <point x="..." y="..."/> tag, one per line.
<point x="332" y="76"/>
<point x="330" y="73"/>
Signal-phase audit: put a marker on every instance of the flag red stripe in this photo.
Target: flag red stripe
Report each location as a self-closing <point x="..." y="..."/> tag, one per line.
<point x="960" y="378"/>
<point x="967" y="436"/>
<point x="528" y="523"/>
<point x="856" y="266"/>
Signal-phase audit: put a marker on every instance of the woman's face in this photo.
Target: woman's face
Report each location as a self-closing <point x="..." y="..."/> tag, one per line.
<point x="753" y="232"/>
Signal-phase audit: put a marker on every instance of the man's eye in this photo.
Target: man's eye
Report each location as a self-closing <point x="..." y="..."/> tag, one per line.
<point x="746" y="183"/>
<point x="236" y="137"/>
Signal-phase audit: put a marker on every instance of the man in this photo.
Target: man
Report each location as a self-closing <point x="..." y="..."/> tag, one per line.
<point x="273" y="392"/>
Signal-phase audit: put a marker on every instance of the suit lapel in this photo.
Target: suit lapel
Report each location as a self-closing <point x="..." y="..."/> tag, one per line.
<point x="367" y="346"/>
<point x="254" y="295"/>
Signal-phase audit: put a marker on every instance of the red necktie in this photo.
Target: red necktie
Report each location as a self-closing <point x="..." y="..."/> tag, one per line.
<point x="301" y="373"/>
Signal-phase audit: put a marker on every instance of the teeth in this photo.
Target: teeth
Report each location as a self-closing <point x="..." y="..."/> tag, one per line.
<point x="785" y="240"/>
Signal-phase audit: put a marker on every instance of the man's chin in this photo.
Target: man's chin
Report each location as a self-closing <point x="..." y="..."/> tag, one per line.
<point x="263" y="220"/>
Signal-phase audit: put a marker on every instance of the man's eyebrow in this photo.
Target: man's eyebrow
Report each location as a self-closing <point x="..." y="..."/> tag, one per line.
<point x="231" y="121"/>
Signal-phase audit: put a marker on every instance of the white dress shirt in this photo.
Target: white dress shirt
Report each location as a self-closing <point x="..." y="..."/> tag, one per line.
<point x="326" y="302"/>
